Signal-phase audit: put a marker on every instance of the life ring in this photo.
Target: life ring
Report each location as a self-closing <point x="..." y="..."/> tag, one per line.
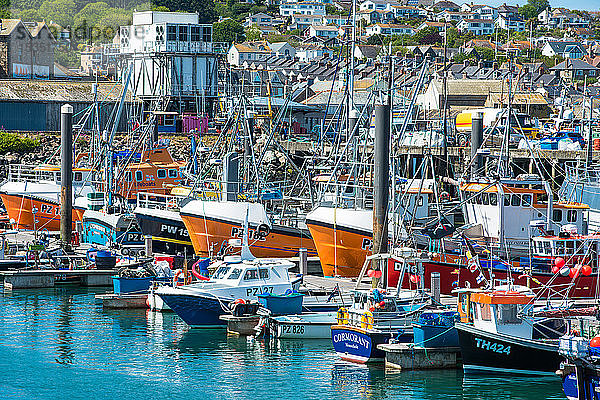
<point x="176" y="277"/>
<point x="263" y="230"/>
<point x="366" y="320"/>
<point x="445" y="196"/>
<point x="342" y="316"/>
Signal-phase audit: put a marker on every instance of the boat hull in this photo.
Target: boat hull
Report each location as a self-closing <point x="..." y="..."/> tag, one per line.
<point x="19" y="208"/>
<point x="485" y="352"/>
<point x="210" y="235"/>
<point x="359" y="345"/>
<point x="169" y="235"/>
<point x="196" y="311"/>
<point x="342" y="250"/>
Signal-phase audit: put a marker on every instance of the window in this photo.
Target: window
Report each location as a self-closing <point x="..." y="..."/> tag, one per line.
<point x="207" y="34"/>
<point x="161" y="174"/>
<point x="507" y="314"/>
<point x="195" y="33"/>
<point x="183" y="33"/>
<point x="485" y="199"/>
<point x="78" y="177"/>
<point x="128" y="176"/>
<point x="139" y="176"/>
<point x="515" y="200"/>
<point x="171" y="33"/>
<point x="251" y="274"/>
<point x="172" y="173"/>
<point x="506" y="200"/>
<point x="493" y="199"/>
<point x="221" y="272"/>
<point x="486" y="312"/>
<point x="263" y="273"/>
<point x="557" y="215"/>
<point x="235" y="273"/>
<point x="526" y="200"/>
<point x="572" y="216"/>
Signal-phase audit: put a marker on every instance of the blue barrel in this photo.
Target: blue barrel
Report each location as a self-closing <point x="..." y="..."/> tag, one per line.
<point x="105" y="260"/>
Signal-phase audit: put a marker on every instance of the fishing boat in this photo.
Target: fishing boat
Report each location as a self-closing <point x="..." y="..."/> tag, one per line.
<point x="111" y="229"/>
<point x="496" y="333"/>
<point x="158" y="216"/>
<point x="580" y="371"/>
<point x="31" y="196"/>
<point x="212" y="223"/>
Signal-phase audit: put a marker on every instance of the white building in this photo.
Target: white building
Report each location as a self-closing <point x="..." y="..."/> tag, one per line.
<point x="515" y="24"/>
<point x="171" y="54"/>
<point x="308" y="52"/>
<point x="389" y="29"/>
<point x="450" y="16"/>
<point x="302" y="21"/>
<point x="476" y="26"/>
<point x="561" y="18"/>
<point x="306" y="8"/>
<point x="260" y="20"/>
<point x="323" y="31"/>
<point x="335" y="20"/>
<point x="379" y="5"/>
<point x="248" y="51"/>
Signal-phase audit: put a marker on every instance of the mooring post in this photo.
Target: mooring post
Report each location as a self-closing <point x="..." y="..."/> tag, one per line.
<point x="66" y="177"/>
<point x="476" y="139"/>
<point x="381" y="186"/>
<point x="435" y="287"/>
<point x="148" y="245"/>
<point x="303" y="261"/>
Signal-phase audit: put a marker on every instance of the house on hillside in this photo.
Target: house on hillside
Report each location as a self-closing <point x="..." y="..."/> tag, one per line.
<point x="301" y="7"/>
<point x="260" y="20"/>
<point x="445" y="5"/>
<point x="282" y="49"/>
<point x="561" y="18"/>
<point x="323" y="31"/>
<point x="564" y="49"/>
<point x="366" y="52"/>
<point x="476" y="26"/>
<point x="389" y="30"/>
<point x="248" y="51"/>
<point x="575" y="69"/>
<point x="510" y="23"/>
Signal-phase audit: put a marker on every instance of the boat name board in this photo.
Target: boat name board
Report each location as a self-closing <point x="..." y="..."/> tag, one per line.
<point x="492" y="346"/>
<point x="351" y="340"/>
<point x="292" y="329"/>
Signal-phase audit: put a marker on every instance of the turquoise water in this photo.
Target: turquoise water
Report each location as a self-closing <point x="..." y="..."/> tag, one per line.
<point x="61" y="344"/>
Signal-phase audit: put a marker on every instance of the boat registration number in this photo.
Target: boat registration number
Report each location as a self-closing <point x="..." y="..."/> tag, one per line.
<point x="292" y="329"/>
<point x="253" y="291"/>
<point x="492" y="346"/>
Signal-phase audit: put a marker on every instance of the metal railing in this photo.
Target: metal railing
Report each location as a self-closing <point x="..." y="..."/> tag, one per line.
<point x="154" y="201"/>
<point x="582" y="173"/>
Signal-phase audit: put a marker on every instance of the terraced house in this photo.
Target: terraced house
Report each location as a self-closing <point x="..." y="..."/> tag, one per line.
<point x="26" y="49"/>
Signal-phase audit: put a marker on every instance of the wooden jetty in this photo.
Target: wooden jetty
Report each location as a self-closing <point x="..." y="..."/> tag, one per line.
<point x="243" y="326"/>
<point x="47" y="278"/>
<point x="113" y="300"/>
<point x="406" y="356"/>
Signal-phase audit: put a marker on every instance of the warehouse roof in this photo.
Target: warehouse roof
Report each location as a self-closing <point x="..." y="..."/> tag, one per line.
<point x="59" y="91"/>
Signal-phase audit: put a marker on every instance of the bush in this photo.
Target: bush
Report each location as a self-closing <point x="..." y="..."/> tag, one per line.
<point x="13" y="142"/>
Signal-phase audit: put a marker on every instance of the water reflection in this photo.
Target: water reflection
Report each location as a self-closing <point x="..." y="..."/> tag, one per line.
<point x="366" y="381"/>
<point x="511" y="387"/>
<point x="64" y="341"/>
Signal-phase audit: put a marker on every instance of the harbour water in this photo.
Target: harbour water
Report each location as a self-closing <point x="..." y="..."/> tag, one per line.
<point x="60" y="344"/>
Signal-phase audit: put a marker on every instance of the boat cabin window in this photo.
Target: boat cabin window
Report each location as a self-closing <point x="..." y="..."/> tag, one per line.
<point x="508" y="314"/>
<point x="235" y="273"/>
<point x="172" y="173"/>
<point x="515" y="200"/>
<point x="560" y="247"/>
<point x="78" y="177"/>
<point x="128" y="176"/>
<point x="557" y="215"/>
<point x="161" y="174"/>
<point x="420" y="203"/>
<point x="526" y="200"/>
<point x="493" y="199"/>
<point x="478" y="199"/>
<point x="251" y="274"/>
<point x="263" y="273"/>
<point x="139" y="176"/>
<point x="572" y="216"/>
<point x="506" y="200"/>
<point x="485" y="199"/>
<point x="221" y="272"/>
<point x="486" y="312"/>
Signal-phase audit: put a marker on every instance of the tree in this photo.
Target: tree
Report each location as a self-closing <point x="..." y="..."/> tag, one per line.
<point x="429" y="35"/>
<point x="253" y="33"/>
<point x="228" y="31"/>
<point x="204" y="8"/>
<point x="533" y="8"/>
<point x="59" y="11"/>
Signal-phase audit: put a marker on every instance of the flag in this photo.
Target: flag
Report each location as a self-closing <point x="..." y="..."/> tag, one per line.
<point x="480" y="278"/>
<point x="473" y="264"/>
